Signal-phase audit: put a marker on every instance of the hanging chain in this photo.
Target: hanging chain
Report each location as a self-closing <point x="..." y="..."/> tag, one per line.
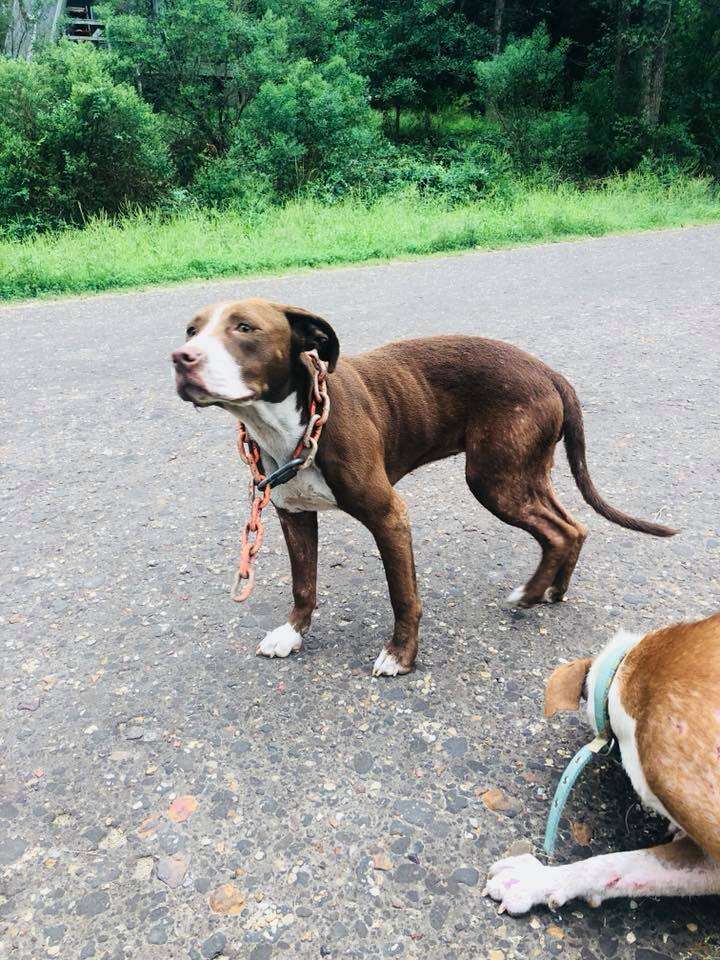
<point x="254" y="531"/>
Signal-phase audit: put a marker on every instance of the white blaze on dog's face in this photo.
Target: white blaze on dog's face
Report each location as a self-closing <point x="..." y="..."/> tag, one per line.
<point x="220" y="373"/>
<point x="247" y="350"/>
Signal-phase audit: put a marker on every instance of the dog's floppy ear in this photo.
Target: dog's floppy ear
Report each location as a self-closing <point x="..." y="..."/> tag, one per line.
<point x="313" y="333"/>
<point x="565" y="686"/>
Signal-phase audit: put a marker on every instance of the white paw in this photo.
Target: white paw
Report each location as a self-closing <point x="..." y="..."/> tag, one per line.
<point x="552" y="595"/>
<point x="515" y="598"/>
<point x="518" y="883"/>
<point x="387" y="666"/>
<point x="280" y="642"/>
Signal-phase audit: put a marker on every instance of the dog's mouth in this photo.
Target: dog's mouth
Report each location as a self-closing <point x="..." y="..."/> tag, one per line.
<point x="197" y="393"/>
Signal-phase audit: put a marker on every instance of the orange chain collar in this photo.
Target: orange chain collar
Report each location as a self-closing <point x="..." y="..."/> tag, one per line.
<point x="260" y="485"/>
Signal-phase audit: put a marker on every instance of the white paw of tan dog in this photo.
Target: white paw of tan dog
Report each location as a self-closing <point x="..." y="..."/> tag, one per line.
<point x="280" y="642"/>
<point x="519" y="883"/>
<point x="387" y="666"/>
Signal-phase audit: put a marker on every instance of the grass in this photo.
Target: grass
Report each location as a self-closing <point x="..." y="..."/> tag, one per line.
<point x="148" y="248"/>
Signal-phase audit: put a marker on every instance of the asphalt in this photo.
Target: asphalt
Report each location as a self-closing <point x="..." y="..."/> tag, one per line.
<point x="166" y="794"/>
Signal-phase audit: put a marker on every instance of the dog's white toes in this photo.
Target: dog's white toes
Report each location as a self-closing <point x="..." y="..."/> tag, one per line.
<point x="280" y="642"/>
<point x="509" y="863"/>
<point x="387" y="666"/>
<point x="517" y="883"/>
<point x="552" y="595"/>
<point x="515" y="599"/>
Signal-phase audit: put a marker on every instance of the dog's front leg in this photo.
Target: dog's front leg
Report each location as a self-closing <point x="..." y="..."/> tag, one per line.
<point x="673" y="870"/>
<point x="385" y="515"/>
<point x="301" y="537"/>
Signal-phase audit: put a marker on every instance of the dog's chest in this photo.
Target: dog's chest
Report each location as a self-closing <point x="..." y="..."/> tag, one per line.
<point x="276" y="428"/>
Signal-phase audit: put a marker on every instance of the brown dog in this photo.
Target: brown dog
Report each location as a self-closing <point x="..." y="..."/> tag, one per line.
<point x="395" y="409"/>
<point x="663" y="706"/>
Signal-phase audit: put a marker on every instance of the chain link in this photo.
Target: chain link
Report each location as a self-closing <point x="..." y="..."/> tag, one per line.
<point x="254" y="531"/>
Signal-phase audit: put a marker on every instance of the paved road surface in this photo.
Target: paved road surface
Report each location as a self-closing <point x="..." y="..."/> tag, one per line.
<point x="129" y="676"/>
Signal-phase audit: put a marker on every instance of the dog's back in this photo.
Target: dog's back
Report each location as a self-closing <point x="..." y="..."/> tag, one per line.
<point x="671" y="687"/>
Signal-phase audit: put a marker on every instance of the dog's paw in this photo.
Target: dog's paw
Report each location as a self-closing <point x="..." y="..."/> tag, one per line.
<point x="387" y="665"/>
<point x="519" y="883"/>
<point x="280" y="642"/>
<point x="516" y="600"/>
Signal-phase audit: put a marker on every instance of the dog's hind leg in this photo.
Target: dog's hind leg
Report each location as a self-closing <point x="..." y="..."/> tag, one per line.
<point x="557" y="591"/>
<point x="678" y="869"/>
<point x="301" y="538"/>
<point x="517" y="489"/>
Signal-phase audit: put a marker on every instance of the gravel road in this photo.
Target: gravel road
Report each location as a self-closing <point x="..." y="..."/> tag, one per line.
<point x="166" y="794"/>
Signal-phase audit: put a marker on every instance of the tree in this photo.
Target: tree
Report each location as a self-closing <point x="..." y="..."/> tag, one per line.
<point x="73" y="142"/>
<point x="657" y="21"/>
<point x="498" y="25"/>
<point x="313" y="126"/>
<point x="199" y="61"/>
<point x="417" y="54"/>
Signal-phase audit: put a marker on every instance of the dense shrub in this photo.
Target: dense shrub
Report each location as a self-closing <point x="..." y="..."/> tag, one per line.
<point x="459" y="172"/>
<point x="558" y="140"/>
<point x="72" y="142"/>
<point x="519" y="90"/>
<point x="527" y="75"/>
<point x="312" y="127"/>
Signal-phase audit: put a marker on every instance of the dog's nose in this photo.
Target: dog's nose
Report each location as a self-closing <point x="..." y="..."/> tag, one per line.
<point x="186" y="357"/>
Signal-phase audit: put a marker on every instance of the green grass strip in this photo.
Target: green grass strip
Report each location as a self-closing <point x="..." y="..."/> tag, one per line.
<point x="150" y="248"/>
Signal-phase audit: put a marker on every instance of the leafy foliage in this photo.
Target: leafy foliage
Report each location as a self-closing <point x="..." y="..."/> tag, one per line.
<point x="313" y="125"/>
<point x="73" y="142"/>
<point x="246" y="103"/>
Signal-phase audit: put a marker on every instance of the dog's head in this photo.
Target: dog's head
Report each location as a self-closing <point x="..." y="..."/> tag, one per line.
<point x="247" y="350"/>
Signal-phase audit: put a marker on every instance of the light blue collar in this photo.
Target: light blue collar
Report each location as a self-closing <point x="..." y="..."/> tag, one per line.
<point x="606" y="666"/>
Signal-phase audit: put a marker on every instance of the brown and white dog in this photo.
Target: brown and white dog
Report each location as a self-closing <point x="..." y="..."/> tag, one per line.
<point x="664" y="710"/>
<point x="394" y="409"/>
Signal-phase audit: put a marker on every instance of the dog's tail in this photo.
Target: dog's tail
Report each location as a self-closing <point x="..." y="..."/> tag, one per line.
<point x="574" y="437"/>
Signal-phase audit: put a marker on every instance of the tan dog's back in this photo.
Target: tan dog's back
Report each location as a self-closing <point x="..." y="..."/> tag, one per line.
<point x="671" y="687"/>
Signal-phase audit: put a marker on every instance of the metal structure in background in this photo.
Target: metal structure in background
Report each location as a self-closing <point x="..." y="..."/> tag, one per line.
<point x="35" y="21"/>
<point x="81" y="24"/>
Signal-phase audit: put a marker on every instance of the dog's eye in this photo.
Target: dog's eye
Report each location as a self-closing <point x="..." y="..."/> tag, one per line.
<point x="191" y="331"/>
<point x="243" y="328"/>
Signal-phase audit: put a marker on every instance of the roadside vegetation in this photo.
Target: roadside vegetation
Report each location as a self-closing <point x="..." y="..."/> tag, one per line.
<point x="152" y="248"/>
<point x="219" y="137"/>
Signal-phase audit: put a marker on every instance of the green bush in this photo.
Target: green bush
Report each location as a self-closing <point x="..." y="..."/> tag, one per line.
<point x="526" y="76"/>
<point x="518" y="90"/>
<point x="558" y="140"/>
<point x="456" y="172"/>
<point x="72" y="142"/>
<point x="313" y="127"/>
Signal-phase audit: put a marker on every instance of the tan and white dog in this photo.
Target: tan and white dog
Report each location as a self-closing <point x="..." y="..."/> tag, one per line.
<point x="664" y="711"/>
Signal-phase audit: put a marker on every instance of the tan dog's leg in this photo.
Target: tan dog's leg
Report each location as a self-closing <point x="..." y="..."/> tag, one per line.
<point x="674" y="870"/>
<point x="301" y="537"/>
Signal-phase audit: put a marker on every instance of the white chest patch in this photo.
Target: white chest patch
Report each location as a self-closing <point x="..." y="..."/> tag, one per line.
<point x="276" y="428"/>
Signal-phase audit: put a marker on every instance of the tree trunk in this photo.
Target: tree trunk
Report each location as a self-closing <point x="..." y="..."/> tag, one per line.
<point x="397" y="122"/>
<point x="498" y="24"/>
<point x="654" y="58"/>
<point x="621" y="53"/>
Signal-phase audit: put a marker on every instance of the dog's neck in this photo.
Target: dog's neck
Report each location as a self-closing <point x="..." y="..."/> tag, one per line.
<point x="621" y="644"/>
<point x="275" y="427"/>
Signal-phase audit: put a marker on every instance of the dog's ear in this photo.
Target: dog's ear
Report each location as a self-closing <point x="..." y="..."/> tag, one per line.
<point x="313" y="333"/>
<point x="565" y="686"/>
